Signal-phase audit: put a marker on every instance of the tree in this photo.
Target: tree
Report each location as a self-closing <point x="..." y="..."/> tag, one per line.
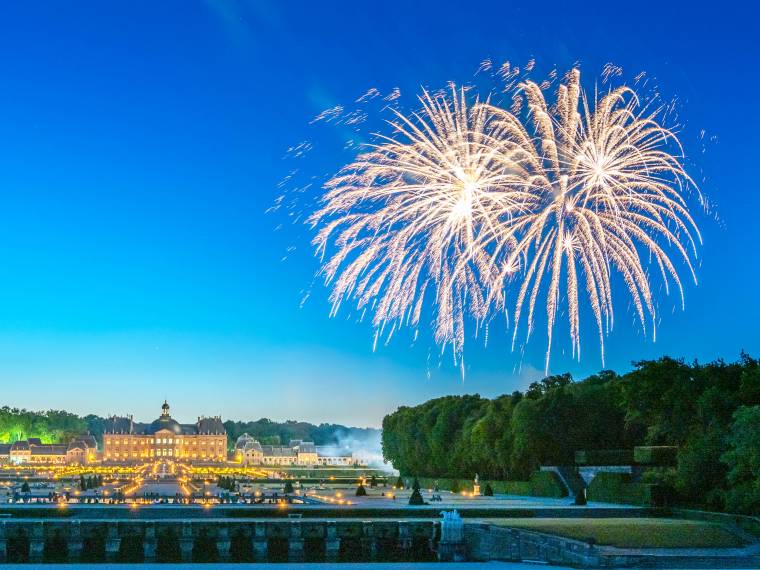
<point x="743" y="460"/>
<point x="455" y="488"/>
<point x="361" y="491"/>
<point x="416" y="484"/>
<point x="488" y="490"/>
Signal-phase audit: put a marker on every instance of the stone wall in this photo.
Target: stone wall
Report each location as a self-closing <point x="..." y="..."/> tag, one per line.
<point x="489" y="542"/>
<point x="187" y="540"/>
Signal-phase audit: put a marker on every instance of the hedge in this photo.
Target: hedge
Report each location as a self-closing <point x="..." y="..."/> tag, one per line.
<point x="547" y="484"/>
<point x="541" y="484"/>
<point x="655" y="455"/>
<point x="604" y="457"/>
<point x="618" y="488"/>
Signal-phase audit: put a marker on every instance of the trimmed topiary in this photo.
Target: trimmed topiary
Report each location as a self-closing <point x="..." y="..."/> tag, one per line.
<point x="662" y="455"/>
<point x="416" y="498"/>
<point x="488" y="490"/>
<point x="361" y="491"/>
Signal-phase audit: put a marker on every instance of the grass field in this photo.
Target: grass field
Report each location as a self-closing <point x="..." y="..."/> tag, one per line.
<point x="633" y="533"/>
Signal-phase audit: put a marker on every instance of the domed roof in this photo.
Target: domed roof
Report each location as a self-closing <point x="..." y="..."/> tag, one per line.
<point x="164" y="422"/>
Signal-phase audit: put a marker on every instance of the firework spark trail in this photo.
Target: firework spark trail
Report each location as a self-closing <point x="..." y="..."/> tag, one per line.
<point x="466" y="202"/>
<point x="607" y="188"/>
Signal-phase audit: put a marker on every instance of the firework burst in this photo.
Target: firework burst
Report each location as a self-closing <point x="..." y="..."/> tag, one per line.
<point x="608" y="195"/>
<point x="466" y="203"/>
<point x="407" y="219"/>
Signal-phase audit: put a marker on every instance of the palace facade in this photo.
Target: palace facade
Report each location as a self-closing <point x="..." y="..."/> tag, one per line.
<point x="249" y="451"/>
<point x="80" y="451"/>
<point x="127" y="441"/>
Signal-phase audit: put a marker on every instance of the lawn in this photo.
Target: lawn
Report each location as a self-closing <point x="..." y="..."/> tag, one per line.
<point x="633" y="532"/>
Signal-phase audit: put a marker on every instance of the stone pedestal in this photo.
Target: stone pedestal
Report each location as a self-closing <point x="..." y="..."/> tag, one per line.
<point x="332" y="543"/>
<point x="404" y="539"/>
<point x="260" y="546"/>
<point x="149" y="543"/>
<point x="3" y="544"/>
<point x="113" y="543"/>
<point x="451" y="552"/>
<point x="295" y="543"/>
<point x="369" y="541"/>
<point x="75" y="543"/>
<point x="186" y="543"/>
<point x="37" y="543"/>
<point x="223" y="544"/>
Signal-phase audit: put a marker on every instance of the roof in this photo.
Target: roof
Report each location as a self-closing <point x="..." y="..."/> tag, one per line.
<point x="20" y="445"/>
<point x="213" y="426"/>
<point x="88" y="439"/>
<point x="5" y="448"/>
<point x="125" y="425"/>
<point x="307" y="447"/>
<point x="49" y="449"/>
<point x="116" y="424"/>
<point x="164" y="423"/>
<point x="278" y="451"/>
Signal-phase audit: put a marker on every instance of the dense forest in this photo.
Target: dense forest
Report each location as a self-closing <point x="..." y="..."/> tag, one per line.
<point x="54" y="425"/>
<point x="711" y="412"/>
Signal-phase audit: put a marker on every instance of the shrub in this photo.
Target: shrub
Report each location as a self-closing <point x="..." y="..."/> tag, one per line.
<point x="416" y="498"/>
<point x="655" y="455"/>
<point x="488" y="490"/>
<point x="546" y="484"/>
<point x="454" y="487"/>
<point x="373" y="481"/>
<point x="361" y="491"/>
<point x="416" y="484"/>
<point x="618" y="488"/>
<point x="399" y="483"/>
<point x="288" y="488"/>
<point x="604" y="457"/>
<point x="513" y="487"/>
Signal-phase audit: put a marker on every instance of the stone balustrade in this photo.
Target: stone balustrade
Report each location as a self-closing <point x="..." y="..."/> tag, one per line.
<point x="240" y="540"/>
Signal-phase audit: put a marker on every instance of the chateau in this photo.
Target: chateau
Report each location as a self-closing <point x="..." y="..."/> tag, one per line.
<point x="204" y="442"/>
<point x="126" y="441"/>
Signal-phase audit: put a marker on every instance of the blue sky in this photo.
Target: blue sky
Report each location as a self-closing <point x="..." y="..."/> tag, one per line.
<point x="142" y="142"/>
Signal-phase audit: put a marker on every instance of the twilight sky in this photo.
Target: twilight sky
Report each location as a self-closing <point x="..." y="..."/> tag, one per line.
<point x="141" y="143"/>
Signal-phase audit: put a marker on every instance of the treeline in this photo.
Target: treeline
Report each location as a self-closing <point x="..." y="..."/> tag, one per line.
<point x="710" y="411"/>
<point x="50" y="426"/>
<point x="280" y="433"/>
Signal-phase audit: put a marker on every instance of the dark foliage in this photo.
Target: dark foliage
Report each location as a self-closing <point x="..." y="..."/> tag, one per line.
<point x="709" y="412"/>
